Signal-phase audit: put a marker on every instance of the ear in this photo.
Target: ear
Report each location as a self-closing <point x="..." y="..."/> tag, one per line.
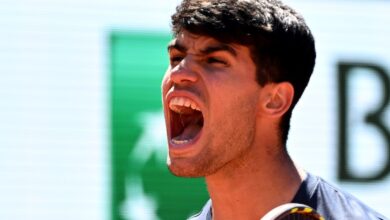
<point x="276" y="99"/>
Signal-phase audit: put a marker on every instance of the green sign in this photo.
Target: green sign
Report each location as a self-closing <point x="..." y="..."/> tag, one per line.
<point x="142" y="187"/>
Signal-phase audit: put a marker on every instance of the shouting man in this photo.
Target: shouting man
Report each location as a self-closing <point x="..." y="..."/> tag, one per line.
<point x="237" y="69"/>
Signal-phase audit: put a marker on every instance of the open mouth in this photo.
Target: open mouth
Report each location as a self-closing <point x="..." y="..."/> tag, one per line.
<point x="186" y="120"/>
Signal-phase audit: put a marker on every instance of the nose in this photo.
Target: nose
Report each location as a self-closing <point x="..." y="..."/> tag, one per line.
<point x="184" y="72"/>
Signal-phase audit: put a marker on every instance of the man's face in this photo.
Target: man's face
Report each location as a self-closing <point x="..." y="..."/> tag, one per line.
<point x="210" y="97"/>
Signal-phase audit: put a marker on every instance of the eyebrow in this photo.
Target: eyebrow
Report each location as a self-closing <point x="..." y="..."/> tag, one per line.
<point x="177" y="46"/>
<point x="208" y="50"/>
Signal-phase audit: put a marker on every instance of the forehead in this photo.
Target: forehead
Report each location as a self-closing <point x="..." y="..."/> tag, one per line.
<point x="193" y="43"/>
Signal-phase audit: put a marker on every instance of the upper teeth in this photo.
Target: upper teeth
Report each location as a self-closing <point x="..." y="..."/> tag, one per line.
<point x="182" y="101"/>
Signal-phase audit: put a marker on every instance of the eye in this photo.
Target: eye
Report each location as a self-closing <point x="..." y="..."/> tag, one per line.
<point x="216" y="61"/>
<point x="174" y="60"/>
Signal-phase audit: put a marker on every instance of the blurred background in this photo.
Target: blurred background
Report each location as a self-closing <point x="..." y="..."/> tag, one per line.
<point x="81" y="128"/>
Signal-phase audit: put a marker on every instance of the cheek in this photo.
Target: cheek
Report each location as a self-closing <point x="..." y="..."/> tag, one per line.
<point x="238" y="118"/>
<point x="165" y="85"/>
<point x="232" y="96"/>
<point x="235" y="110"/>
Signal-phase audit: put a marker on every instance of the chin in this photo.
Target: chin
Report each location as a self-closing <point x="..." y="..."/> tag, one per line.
<point x="190" y="168"/>
<point x="183" y="172"/>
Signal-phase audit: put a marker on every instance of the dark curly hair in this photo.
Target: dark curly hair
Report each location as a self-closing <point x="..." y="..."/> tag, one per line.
<point x="281" y="44"/>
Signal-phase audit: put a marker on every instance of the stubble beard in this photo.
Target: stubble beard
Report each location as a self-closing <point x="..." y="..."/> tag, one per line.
<point x="215" y="156"/>
<point x="199" y="166"/>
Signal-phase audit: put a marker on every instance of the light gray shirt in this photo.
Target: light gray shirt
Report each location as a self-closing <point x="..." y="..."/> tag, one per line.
<point x="205" y="214"/>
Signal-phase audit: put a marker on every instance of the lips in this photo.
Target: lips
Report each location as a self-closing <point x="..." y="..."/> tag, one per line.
<point x="186" y="120"/>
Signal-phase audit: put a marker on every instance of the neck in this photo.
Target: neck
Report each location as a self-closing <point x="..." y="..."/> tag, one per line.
<point x="250" y="186"/>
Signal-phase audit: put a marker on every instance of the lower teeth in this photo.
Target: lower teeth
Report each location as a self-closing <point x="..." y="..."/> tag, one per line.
<point x="179" y="141"/>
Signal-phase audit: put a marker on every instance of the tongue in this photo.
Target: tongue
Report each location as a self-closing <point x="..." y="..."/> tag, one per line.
<point x="189" y="132"/>
<point x="192" y="126"/>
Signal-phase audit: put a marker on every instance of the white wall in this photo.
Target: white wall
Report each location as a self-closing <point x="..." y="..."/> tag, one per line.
<point x="54" y="143"/>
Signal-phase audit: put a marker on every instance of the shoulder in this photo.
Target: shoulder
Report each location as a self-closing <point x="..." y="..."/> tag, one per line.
<point x="334" y="203"/>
